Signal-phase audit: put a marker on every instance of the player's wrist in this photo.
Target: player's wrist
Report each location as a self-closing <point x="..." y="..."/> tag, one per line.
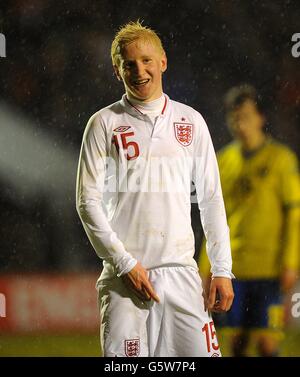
<point x="228" y="275"/>
<point x="127" y="267"/>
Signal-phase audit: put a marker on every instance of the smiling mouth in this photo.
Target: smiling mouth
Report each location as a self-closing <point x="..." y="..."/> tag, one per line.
<point x="140" y="82"/>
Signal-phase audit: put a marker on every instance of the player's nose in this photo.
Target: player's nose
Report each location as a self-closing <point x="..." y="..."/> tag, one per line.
<point x="239" y="126"/>
<point x="139" y="69"/>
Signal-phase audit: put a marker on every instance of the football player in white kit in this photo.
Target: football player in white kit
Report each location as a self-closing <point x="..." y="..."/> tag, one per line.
<point x="135" y="209"/>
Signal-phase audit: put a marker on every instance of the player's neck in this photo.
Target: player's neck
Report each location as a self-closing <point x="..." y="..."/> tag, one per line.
<point x="152" y="107"/>
<point x="144" y="103"/>
<point x="253" y="144"/>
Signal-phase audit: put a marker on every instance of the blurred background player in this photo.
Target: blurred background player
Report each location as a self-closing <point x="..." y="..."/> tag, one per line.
<point x="260" y="183"/>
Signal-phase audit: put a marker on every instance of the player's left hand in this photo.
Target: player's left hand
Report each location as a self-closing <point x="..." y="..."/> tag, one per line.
<point x="220" y="295"/>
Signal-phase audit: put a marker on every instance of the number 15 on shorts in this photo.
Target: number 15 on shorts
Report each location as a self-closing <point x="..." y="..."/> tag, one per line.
<point x="211" y="336"/>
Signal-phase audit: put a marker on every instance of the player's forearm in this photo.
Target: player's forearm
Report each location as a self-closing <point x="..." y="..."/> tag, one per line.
<point x="216" y="231"/>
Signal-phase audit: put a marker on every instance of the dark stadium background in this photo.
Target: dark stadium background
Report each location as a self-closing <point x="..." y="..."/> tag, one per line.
<point x="58" y="72"/>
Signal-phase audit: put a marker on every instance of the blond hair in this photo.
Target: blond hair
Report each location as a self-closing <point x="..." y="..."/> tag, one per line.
<point x="130" y="33"/>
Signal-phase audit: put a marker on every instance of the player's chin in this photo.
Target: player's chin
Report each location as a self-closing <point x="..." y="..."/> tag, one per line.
<point x="143" y="96"/>
<point x="142" y="93"/>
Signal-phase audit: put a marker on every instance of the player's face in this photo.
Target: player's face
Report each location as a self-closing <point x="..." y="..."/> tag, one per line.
<point x="245" y="122"/>
<point x="140" y="69"/>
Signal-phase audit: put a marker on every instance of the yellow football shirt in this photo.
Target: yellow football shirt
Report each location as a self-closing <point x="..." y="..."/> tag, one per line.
<point x="262" y="198"/>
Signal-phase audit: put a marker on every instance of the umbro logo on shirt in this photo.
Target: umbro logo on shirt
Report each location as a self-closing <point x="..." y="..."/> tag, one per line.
<point x="122" y="128"/>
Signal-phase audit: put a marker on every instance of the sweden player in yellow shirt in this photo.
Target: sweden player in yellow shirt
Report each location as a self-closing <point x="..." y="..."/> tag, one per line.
<point x="260" y="183"/>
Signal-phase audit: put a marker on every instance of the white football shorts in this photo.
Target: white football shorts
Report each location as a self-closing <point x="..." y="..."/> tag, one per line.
<point x="178" y="326"/>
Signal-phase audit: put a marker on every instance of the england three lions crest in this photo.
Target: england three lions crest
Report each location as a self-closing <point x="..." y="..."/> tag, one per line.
<point x="132" y="347"/>
<point x="183" y="133"/>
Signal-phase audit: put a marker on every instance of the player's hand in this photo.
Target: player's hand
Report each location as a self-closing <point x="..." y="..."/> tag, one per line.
<point x="137" y="280"/>
<point x="288" y="279"/>
<point x="220" y="295"/>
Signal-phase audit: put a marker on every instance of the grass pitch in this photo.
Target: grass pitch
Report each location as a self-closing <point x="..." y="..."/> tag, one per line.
<point x="89" y="345"/>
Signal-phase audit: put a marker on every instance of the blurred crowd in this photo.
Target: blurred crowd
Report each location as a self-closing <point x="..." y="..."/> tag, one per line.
<point x="58" y="72"/>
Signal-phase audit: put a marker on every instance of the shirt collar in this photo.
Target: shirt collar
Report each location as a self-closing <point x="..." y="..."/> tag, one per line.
<point x="132" y="110"/>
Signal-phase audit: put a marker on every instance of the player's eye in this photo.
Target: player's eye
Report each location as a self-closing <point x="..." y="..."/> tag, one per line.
<point x="147" y="60"/>
<point x="127" y="65"/>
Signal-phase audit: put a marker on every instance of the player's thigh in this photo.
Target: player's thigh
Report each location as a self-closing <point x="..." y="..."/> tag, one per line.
<point x="188" y="327"/>
<point x="194" y="334"/>
<point x="123" y="319"/>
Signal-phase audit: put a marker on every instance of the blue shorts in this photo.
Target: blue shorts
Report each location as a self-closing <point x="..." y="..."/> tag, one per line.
<point x="257" y="304"/>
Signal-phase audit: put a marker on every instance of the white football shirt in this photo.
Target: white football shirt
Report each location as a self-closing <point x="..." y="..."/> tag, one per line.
<point x="134" y="183"/>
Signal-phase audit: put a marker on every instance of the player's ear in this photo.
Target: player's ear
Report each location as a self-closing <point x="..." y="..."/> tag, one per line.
<point x="117" y="72"/>
<point x="164" y="63"/>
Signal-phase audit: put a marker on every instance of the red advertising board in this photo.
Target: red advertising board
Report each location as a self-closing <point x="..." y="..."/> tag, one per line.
<point x="50" y="303"/>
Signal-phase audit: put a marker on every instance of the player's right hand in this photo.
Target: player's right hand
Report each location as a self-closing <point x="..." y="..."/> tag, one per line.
<point x="137" y="279"/>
